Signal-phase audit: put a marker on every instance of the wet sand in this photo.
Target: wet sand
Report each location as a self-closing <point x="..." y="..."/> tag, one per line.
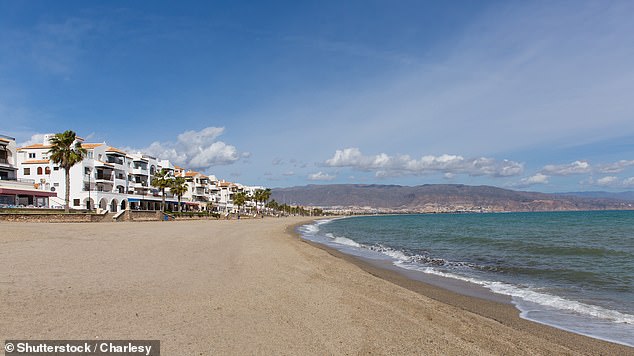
<point x="243" y="287"/>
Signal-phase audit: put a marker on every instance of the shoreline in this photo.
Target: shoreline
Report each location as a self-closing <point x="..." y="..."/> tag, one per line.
<point x="499" y="309"/>
<point x="242" y="287"/>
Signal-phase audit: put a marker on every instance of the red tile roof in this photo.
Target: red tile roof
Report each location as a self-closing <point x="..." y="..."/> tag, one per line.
<point x="35" y="146"/>
<point x="36" y="161"/>
<point x="91" y="145"/>
<point x="114" y="149"/>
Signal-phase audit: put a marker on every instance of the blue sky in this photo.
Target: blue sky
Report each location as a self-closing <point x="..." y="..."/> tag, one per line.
<point x="523" y="95"/>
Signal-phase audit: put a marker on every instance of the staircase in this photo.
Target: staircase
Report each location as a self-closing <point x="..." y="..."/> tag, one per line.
<point x="120" y="216"/>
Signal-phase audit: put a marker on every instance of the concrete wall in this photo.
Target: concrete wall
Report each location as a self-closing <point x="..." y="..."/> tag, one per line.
<point x="51" y="217"/>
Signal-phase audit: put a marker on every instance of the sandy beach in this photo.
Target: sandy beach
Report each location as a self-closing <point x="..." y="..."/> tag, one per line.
<point x="243" y="287"/>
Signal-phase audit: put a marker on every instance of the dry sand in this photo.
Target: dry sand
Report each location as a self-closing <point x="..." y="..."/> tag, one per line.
<point x="242" y="287"/>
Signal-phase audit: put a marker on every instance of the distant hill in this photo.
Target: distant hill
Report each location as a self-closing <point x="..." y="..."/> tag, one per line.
<point x="628" y="196"/>
<point x="438" y="198"/>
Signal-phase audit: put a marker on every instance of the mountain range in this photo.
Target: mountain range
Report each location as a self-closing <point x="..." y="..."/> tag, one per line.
<point x="445" y="198"/>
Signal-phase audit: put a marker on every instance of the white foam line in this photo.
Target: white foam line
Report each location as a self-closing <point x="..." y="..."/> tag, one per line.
<point x="544" y="299"/>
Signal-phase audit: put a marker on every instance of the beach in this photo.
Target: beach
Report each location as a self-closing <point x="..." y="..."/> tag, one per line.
<point x="243" y="287"/>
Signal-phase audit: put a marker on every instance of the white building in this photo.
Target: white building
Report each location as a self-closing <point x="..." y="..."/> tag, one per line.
<point x="113" y="180"/>
<point x="107" y="179"/>
<point x="14" y="191"/>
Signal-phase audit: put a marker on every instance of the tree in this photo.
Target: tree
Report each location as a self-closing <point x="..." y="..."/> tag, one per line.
<point x="66" y="152"/>
<point x="239" y="199"/>
<point x="261" y="196"/>
<point x="179" y="187"/>
<point x="273" y="205"/>
<point x="162" y="179"/>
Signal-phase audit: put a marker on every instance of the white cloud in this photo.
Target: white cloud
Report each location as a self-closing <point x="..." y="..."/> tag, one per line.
<point x="576" y="167"/>
<point x="321" y="176"/>
<point x="385" y="165"/>
<point x="615" y="167"/>
<point x="607" y="181"/>
<point x="35" y="138"/>
<point x="611" y="182"/>
<point x="195" y="149"/>
<point x="538" y="178"/>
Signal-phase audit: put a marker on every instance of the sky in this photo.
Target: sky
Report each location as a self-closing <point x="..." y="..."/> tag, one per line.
<point x="526" y="95"/>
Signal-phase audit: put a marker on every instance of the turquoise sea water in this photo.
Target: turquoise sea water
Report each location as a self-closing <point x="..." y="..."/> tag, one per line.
<point x="572" y="270"/>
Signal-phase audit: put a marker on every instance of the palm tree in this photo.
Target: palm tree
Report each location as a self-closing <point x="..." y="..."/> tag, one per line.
<point x="265" y="195"/>
<point x="239" y="199"/>
<point x="66" y="152"/>
<point x="179" y="187"/>
<point x="273" y="205"/>
<point x="162" y="179"/>
<point x="261" y="196"/>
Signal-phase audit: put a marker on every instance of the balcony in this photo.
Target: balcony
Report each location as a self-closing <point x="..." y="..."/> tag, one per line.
<point x="114" y="160"/>
<point x="139" y="184"/>
<point x="103" y="176"/>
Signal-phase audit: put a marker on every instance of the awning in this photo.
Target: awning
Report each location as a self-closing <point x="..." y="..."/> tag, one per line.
<point x="34" y="192"/>
<point x="134" y="200"/>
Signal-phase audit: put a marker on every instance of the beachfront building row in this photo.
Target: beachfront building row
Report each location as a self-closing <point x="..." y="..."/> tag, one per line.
<point x="110" y="179"/>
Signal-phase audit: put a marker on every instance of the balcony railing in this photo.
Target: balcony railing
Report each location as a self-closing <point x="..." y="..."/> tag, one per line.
<point x="115" y="160"/>
<point x="14" y="179"/>
<point x="101" y="176"/>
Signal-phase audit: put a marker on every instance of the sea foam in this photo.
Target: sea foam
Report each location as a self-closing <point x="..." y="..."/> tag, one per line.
<point x="561" y="311"/>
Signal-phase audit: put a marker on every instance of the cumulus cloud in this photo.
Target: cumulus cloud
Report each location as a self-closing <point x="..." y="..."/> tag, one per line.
<point x="385" y="165"/>
<point x="607" y="181"/>
<point x="582" y="167"/>
<point x="612" y="182"/>
<point x="538" y="178"/>
<point x="321" y="176"/>
<point x="35" y="138"/>
<point x="195" y="149"/>
<point x="615" y="167"/>
<point x="576" y="167"/>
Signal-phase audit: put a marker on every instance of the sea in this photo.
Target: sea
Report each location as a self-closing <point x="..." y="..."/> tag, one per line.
<point x="570" y="270"/>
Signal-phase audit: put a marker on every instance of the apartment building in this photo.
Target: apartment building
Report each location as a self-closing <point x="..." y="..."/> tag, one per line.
<point x="107" y="179"/>
<point x="15" y="191"/>
<point x="113" y="180"/>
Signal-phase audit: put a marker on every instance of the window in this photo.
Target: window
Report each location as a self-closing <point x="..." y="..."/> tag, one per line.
<point x="31" y="155"/>
<point x="47" y="170"/>
<point x="89" y="154"/>
<point x="56" y="168"/>
<point x="56" y="184"/>
<point x="76" y="202"/>
<point x="39" y="171"/>
<point x="86" y="170"/>
<point x="27" y="171"/>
